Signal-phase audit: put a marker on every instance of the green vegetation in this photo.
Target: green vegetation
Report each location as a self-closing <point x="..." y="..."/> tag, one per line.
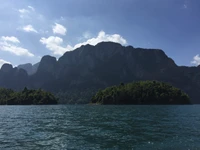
<point x="26" y="97"/>
<point x="142" y="92"/>
<point x="79" y="96"/>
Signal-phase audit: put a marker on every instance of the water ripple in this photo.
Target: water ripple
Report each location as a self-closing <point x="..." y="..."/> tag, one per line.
<point x="99" y="127"/>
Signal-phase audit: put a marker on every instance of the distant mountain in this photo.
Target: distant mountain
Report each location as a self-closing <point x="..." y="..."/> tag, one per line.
<point x="30" y="69"/>
<point x="90" y="68"/>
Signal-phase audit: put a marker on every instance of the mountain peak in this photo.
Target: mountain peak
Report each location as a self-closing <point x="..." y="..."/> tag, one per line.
<point x="30" y="69"/>
<point x="108" y="43"/>
<point x="47" y="63"/>
<point x="48" y="58"/>
<point x="6" y="67"/>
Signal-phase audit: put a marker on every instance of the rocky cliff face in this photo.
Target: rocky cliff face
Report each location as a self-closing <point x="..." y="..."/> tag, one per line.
<point x="13" y="77"/>
<point x="45" y="73"/>
<point x="109" y="64"/>
<point x="30" y="69"/>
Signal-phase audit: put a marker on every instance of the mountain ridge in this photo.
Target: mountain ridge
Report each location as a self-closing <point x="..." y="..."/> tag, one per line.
<point x="107" y="64"/>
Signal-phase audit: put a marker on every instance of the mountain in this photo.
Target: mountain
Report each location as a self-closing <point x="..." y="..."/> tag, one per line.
<point x="30" y="69"/>
<point x="80" y="73"/>
<point x="13" y="77"/>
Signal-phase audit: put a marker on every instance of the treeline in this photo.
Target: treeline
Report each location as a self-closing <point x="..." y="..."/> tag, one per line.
<point x="73" y="96"/>
<point x="141" y="92"/>
<point x="26" y="97"/>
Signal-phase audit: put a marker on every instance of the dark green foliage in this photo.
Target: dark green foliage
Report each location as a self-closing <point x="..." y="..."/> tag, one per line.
<point x="75" y="96"/>
<point x="26" y="97"/>
<point x="141" y="92"/>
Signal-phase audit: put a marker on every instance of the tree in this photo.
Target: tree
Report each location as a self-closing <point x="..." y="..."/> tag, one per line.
<point x="26" y="97"/>
<point x="143" y="92"/>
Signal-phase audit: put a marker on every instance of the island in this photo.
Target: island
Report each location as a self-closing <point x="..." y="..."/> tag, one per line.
<point x="141" y="93"/>
<point x="26" y="97"/>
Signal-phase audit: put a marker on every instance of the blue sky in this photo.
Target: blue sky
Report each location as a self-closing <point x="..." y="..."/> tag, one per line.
<point x="30" y="29"/>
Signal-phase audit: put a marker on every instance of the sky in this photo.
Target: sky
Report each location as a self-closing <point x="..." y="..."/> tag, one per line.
<point x="30" y="29"/>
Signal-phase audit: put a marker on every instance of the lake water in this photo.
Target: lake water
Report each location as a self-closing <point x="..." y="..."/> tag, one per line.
<point x="100" y="127"/>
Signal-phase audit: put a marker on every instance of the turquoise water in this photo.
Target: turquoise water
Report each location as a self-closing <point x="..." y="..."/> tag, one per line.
<point x="100" y="127"/>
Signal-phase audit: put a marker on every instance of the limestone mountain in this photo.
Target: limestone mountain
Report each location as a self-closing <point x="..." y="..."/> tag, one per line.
<point x="30" y="69"/>
<point x="107" y="63"/>
<point x="13" y="77"/>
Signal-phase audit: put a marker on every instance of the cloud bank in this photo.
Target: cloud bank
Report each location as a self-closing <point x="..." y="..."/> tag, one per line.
<point x="103" y="37"/>
<point x="55" y="44"/>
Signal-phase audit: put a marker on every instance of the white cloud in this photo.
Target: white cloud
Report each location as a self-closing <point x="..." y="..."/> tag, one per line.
<point x="196" y="60"/>
<point x="54" y="43"/>
<point x="103" y="37"/>
<point x="59" y="29"/>
<point x="10" y="44"/>
<point x="19" y="51"/>
<point x="29" y="18"/>
<point x="3" y="62"/>
<point x="32" y="8"/>
<point x="29" y="28"/>
<point x="23" y="11"/>
<point x="10" y="39"/>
